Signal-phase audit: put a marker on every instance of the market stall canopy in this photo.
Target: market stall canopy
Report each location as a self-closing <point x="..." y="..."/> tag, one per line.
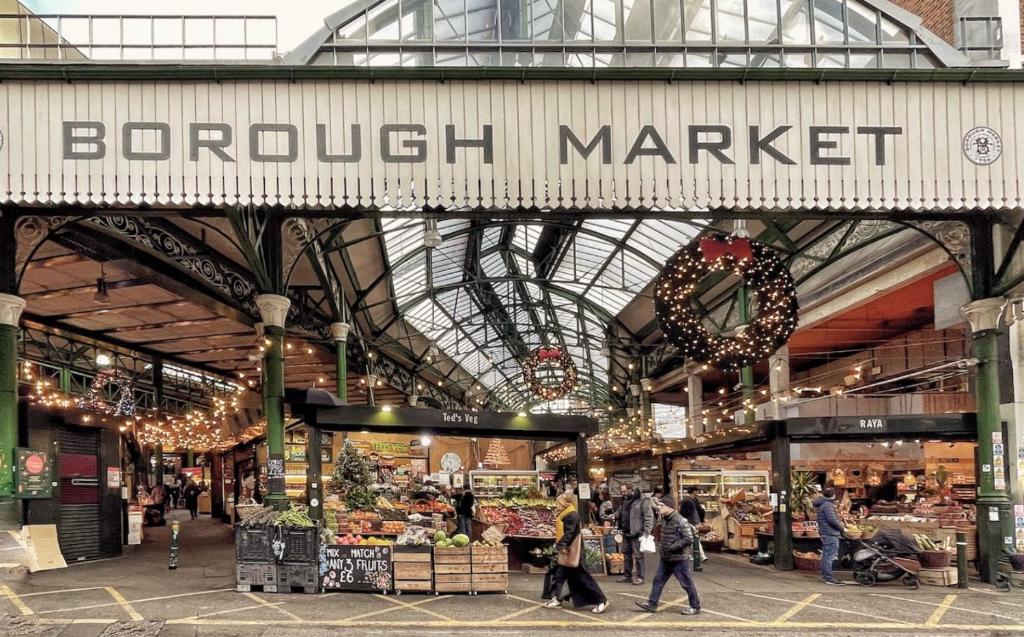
<point x="321" y="409"/>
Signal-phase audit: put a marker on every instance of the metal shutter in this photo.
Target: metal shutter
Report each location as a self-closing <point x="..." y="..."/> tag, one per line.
<point x="78" y="463"/>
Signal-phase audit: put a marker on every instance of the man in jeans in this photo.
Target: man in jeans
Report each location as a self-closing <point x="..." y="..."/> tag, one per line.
<point x="830" y="528"/>
<point x="636" y="519"/>
<point x="675" y="550"/>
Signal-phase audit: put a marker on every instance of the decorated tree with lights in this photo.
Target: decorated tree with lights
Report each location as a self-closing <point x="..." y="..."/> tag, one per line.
<point x="496" y="454"/>
<point x="352" y="478"/>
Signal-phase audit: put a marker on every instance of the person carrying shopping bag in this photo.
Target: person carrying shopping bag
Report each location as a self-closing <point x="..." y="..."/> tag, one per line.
<point x="675" y="553"/>
<point x="583" y="589"/>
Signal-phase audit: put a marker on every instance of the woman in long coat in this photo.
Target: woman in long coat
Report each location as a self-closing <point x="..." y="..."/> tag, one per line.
<point x="569" y="546"/>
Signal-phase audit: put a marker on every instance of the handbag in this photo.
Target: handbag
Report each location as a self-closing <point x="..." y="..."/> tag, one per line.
<point x="647" y="544"/>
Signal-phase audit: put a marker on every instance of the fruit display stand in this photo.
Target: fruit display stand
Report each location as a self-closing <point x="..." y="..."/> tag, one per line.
<point x="453" y="570"/>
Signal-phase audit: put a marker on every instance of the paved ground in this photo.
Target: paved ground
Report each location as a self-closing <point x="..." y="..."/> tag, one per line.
<point x="136" y="596"/>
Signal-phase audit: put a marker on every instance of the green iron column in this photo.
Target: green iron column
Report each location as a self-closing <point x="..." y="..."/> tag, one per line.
<point x="158" y="460"/>
<point x="274" y="311"/>
<point x="190" y="458"/>
<point x="339" y="331"/>
<point x="995" y="511"/>
<point x="10" y="312"/>
<point x="746" y="373"/>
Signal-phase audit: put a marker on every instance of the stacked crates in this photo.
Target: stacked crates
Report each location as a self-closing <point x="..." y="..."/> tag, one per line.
<point x="490" y="569"/>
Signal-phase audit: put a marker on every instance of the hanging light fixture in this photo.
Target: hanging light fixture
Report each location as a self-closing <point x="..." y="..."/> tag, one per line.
<point x="102" y="295"/>
<point x="431" y="235"/>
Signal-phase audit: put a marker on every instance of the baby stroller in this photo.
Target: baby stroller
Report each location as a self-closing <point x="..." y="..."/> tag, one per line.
<point x="873" y="562"/>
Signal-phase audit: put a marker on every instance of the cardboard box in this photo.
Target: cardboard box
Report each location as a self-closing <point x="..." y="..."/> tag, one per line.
<point x="42" y="547"/>
<point x="938" y="576"/>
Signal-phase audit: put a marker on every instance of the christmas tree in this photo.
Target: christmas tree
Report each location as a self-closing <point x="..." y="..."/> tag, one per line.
<point x="496" y="454"/>
<point x="352" y="479"/>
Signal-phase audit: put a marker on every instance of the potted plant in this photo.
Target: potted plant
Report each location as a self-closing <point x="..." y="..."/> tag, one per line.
<point x="803" y="487"/>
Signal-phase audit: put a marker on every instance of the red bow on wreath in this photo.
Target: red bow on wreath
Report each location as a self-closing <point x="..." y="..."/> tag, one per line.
<point x="549" y="353"/>
<point x="713" y="249"/>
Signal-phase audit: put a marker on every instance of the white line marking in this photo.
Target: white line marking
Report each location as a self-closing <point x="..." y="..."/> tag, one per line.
<point x="957" y="608"/>
<point x="823" y="607"/>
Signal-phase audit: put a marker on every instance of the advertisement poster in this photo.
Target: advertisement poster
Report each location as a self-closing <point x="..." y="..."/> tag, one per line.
<point x="113" y="477"/>
<point x="33" y="474"/>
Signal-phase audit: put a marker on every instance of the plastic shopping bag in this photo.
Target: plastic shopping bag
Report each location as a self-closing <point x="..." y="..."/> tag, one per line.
<point x="647" y="544"/>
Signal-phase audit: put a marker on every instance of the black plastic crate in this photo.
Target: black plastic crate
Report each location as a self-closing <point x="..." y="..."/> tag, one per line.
<point x="254" y="545"/>
<point x="291" y="577"/>
<point x="301" y="544"/>
<point x="260" y="576"/>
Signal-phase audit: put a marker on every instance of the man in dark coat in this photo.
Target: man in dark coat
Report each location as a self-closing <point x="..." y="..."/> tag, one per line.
<point x="830" y="528"/>
<point x="693" y="511"/>
<point x="636" y="519"/>
<point x="675" y="553"/>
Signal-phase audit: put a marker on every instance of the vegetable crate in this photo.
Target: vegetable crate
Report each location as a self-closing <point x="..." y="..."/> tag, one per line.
<point x="254" y="545"/>
<point x="453" y="570"/>
<point x="301" y="544"/>
<point x="292" y="577"/>
<point x="413" y="569"/>
<point x="490" y="569"/>
<point x="945" y="576"/>
<point x="261" y="576"/>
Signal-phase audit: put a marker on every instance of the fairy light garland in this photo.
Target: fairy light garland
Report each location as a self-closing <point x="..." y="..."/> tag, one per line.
<point x="551" y="358"/>
<point x="95" y="401"/>
<point x="766" y="276"/>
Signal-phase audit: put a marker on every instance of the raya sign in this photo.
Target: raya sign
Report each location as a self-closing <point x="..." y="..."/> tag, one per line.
<point x="33" y="474"/>
<point x="780" y="145"/>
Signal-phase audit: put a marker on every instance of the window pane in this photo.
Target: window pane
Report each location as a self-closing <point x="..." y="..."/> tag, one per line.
<point x="417" y="20"/>
<point x="667" y="21"/>
<point x="606" y="16"/>
<point x="763" y="20"/>
<point x="831" y="60"/>
<point x="545" y="20"/>
<point x="863" y="22"/>
<point x="863" y="60"/>
<point x="699" y="59"/>
<point x="354" y="30"/>
<point x="382" y="23"/>
<point x="796" y="27"/>
<point x="640" y="59"/>
<point x="697" y="16"/>
<point x="732" y="59"/>
<point x="731" y="25"/>
<point x="449" y="19"/>
<point x="895" y="60"/>
<point x="925" y="61"/>
<point x="481" y="20"/>
<point x="579" y="21"/>
<point x="798" y="61"/>
<point x="894" y="33"/>
<point x="765" y="60"/>
<point x="637" y="16"/>
<point x="828" y="22"/>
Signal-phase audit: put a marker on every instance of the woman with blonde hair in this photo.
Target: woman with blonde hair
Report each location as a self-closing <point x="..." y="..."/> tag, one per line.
<point x="569" y="546"/>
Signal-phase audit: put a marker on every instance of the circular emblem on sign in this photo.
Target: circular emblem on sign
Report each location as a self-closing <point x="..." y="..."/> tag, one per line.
<point x="33" y="464"/>
<point x="451" y="462"/>
<point x="983" y="145"/>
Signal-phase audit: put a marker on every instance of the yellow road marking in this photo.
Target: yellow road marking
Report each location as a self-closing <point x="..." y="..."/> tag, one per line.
<point x="521" y="611"/>
<point x="394" y="608"/>
<point x="64" y="590"/>
<point x="16" y="536"/>
<point x="956" y="608"/>
<point x="20" y="605"/>
<point x="591" y="616"/>
<point x="415" y="606"/>
<point x="937" y="614"/>
<point x="264" y="602"/>
<point x="234" y="610"/>
<point x="799" y="606"/>
<point x="123" y="603"/>
<point x="679" y="602"/>
<point x="135" y="601"/>
<point x="85" y="620"/>
<point x="9" y="565"/>
<point x="831" y="608"/>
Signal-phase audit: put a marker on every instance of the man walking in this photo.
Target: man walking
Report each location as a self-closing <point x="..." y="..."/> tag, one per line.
<point x="636" y="519"/>
<point x="830" y="528"/>
<point x="675" y="552"/>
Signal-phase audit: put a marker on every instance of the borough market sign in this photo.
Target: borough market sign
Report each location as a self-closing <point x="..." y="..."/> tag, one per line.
<point x="504" y="144"/>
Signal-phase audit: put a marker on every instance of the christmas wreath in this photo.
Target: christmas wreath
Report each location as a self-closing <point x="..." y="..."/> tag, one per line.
<point x="552" y="358"/>
<point x="95" y="400"/>
<point x="773" y="294"/>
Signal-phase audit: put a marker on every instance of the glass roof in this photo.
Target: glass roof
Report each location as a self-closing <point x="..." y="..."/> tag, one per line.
<point x="491" y="293"/>
<point x="628" y="33"/>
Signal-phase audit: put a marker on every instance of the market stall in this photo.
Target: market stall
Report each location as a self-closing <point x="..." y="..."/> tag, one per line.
<point x="914" y="473"/>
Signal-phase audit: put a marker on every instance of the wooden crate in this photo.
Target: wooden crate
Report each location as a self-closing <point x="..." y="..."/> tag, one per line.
<point x="453" y="583"/>
<point x="490" y="583"/>
<point x="412" y="570"/>
<point x="938" y="576"/>
<point x="411" y="557"/>
<point x="425" y="586"/>
<point x="453" y="569"/>
<point x="491" y="568"/>
<point x="453" y="556"/>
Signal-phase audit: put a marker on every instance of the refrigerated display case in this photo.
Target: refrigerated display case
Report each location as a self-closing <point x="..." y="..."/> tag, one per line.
<point x="486" y="483"/>
<point x="709" y="488"/>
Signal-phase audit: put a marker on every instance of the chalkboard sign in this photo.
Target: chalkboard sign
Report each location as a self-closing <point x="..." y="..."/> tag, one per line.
<point x="592" y="557"/>
<point x="356" y="568"/>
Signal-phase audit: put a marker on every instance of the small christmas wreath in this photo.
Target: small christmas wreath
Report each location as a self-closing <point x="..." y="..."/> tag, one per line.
<point x="773" y="293"/>
<point x="95" y="399"/>
<point x="551" y="357"/>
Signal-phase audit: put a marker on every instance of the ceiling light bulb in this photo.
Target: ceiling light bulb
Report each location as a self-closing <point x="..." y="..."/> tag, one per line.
<point x="103" y="360"/>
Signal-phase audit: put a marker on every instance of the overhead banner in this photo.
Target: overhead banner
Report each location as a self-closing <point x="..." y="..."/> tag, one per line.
<point x="506" y="144"/>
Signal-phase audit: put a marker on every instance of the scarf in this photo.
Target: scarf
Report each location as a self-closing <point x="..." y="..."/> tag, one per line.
<point x="559" y="524"/>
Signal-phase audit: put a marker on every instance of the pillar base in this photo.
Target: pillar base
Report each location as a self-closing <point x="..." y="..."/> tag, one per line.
<point x="276" y="501"/>
<point x="993" y="534"/>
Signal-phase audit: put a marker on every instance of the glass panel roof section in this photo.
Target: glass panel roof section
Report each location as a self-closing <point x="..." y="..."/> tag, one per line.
<point x="629" y="33"/>
<point x="491" y="293"/>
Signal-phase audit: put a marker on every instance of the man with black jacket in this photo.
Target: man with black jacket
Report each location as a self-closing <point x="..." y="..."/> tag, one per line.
<point x="693" y="511"/>
<point x="675" y="550"/>
<point x="636" y="519"/>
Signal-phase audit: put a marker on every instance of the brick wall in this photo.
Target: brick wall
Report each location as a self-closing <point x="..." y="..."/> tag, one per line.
<point x="937" y="15"/>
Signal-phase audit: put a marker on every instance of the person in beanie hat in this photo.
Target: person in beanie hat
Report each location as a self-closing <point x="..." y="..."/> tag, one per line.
<point x="675" y="553"/>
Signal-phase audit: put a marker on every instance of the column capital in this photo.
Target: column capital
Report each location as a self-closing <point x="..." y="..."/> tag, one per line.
<point x="273" y="309"/>
<point x="339" y="332"/>
<point x="10" y="309"/>
<point x="693" y="368"/>
<point x="984" y="314"/>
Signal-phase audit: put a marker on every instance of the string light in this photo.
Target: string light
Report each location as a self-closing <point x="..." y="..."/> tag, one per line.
<point x="763" y="273"/>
